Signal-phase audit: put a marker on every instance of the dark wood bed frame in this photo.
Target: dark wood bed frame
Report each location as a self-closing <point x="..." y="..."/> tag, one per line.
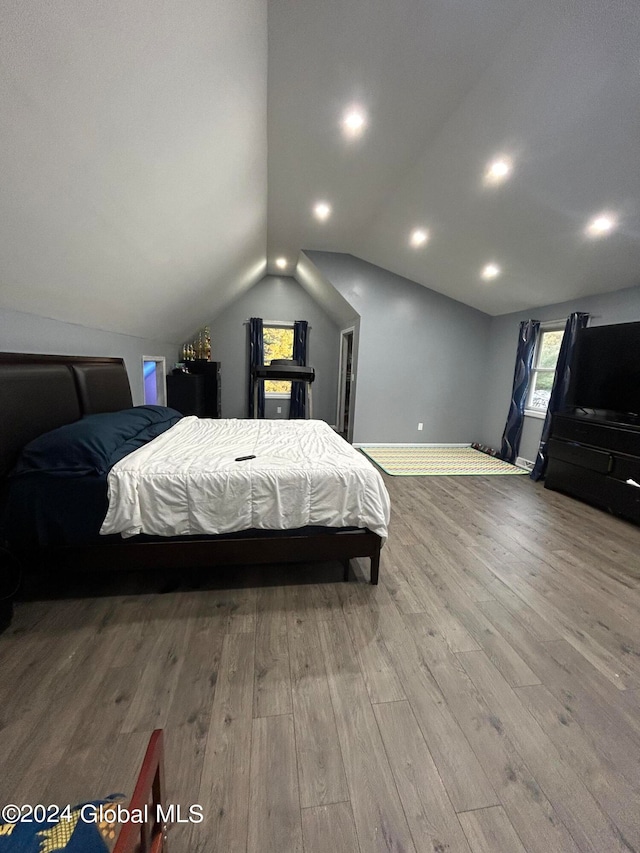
<point x="41" y="392"/>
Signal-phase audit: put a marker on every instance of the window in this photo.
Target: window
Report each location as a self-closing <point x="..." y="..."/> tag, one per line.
<point x="544" y="368"/>
<point x="278" y="343"/>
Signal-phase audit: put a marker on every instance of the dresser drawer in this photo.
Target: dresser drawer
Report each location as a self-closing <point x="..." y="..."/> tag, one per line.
<point x="623" y="499"/>
<point x="626" y="468"/>
<point x="614" y="438"/>
<point x="585" y="457"/>
<point x="577" y="481"/>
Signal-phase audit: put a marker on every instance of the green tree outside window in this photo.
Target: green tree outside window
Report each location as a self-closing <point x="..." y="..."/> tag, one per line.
<point x="278" y="343"/>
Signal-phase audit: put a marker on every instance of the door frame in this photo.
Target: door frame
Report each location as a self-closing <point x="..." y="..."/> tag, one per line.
<point x="161" y="380"/>
<point x="351" y="330"/>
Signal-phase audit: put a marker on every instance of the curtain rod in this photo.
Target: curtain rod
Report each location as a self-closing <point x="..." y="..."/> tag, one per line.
<point x="275" y="323"/>
<point x="564" y="320"/>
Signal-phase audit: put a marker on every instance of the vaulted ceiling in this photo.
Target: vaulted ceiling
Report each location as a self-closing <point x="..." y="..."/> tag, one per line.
<point x="157" y="158"/>
<point x="448" y="86"/>
<point x="134" y="159"/>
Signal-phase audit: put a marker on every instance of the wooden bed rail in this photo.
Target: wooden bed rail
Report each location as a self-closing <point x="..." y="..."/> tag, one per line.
<point x="149" y="837"/>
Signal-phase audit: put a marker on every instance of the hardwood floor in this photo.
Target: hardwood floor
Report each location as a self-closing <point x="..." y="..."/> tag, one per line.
<point x="484" y="697"/>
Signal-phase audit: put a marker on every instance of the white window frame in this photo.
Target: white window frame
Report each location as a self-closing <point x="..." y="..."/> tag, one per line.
<point x="551" y="326"/>
<point x="276" y="324"/>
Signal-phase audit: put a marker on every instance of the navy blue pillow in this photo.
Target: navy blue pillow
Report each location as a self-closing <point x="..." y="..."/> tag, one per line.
<point x="95" y="443"/>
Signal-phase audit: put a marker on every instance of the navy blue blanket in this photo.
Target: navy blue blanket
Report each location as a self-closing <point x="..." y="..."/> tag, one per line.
<point x="57" y="492"/>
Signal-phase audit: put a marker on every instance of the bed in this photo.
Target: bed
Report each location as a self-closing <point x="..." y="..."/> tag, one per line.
<point x="42" y="393"/>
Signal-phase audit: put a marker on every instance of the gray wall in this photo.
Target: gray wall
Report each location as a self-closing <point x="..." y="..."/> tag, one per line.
<point x="20" y="332"/>
<point x="421" y="356"/>
<point x="622" y="306"/>
<point x="275" y="298"/>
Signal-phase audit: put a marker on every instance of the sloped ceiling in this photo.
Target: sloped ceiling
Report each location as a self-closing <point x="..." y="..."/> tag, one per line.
<point x="447" y="86"/>
<point x="133" y="159"/>
<point x="135" y="163"/>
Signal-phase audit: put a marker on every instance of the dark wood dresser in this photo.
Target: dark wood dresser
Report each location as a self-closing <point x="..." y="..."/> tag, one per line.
<point x="592" y="457"/>
<point x="196" y="392"/>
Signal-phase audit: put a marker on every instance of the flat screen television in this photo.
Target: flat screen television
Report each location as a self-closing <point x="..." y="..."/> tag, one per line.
<point x="605" y="370"/>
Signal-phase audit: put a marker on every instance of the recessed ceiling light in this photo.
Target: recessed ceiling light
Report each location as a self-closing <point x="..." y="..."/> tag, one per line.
<point x="419" y="236"/>
<point x="498" y="170"/>
<point x="322" y="210"/>
<point x="281" y="263"/>
<point x="354" y="121"/>
<point x="490" y="271"/>
<point x="603" y="223"/>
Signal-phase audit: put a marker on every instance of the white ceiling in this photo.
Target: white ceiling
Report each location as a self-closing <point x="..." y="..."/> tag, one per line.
<point x="135" y="167"/>
<point x="448" y="85"/>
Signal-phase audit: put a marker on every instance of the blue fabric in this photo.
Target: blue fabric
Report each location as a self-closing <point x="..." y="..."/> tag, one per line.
<point x="558" y="399"/>
<point x="69" y="833"/>
<point x="92" y="445"/>
<point x="527" y="337"/>
<point x="298" y="403"/>
<point x="256" y="359"/>
<point x="42" y="509"/>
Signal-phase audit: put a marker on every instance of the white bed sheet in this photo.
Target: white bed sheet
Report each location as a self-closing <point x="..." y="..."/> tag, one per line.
<point x="186" y="481"/>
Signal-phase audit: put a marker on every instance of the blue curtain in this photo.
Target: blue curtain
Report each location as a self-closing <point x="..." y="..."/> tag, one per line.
<point x="557" y="400"/>
<point x="298" y="404"/>
<point x="527" y="338"/>
<point x="256" y="359"/>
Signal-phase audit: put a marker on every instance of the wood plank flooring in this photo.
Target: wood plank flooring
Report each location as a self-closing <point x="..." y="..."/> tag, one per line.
<point x="484" y="698"/>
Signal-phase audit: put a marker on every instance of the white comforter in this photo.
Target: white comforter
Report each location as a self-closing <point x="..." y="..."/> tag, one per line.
<point x="187" y="481"/>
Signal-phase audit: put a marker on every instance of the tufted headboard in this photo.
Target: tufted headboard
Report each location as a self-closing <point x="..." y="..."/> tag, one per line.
<point x="41" y="392"/>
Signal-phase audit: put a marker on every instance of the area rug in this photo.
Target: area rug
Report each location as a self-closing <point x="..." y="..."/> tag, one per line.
<point x="437" y="462"/>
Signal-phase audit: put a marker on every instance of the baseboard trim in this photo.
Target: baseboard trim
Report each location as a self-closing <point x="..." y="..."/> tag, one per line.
<point x="409" y="444"/>
<point x="527" y="464"/>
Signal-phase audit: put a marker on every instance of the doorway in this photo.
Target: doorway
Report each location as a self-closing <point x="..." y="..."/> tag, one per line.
<point x="154" y="381"/>
<point x="346" y="377"/>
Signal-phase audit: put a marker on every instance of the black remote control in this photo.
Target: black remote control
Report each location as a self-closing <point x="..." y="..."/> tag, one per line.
<point x="244" y="458"/>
